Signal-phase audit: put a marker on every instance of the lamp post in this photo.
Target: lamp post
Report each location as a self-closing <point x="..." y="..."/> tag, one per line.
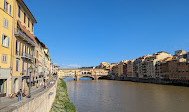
<point x="30" y="69"/>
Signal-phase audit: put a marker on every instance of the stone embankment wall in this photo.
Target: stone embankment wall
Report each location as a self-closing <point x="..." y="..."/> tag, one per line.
<point x="40" y="102"/>
<point x="151" y="80"/>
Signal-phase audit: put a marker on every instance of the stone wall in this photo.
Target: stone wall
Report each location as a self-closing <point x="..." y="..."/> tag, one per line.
<point x="40" y="102"/>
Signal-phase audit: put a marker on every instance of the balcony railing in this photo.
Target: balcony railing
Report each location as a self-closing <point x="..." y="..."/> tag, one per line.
<point x="23" y="36"/>
<point x="24" y="74"/>
<point x="18" y="53"/>
<point x="28" y="56"/>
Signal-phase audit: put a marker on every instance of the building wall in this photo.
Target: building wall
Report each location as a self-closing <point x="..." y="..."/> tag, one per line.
<point x="130" y="69"/>
<point x="5" y="51"/>
<point x="24" y="63"/>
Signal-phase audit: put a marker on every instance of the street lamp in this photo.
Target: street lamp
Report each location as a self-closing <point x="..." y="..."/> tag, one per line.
<point x="30" y="70"/>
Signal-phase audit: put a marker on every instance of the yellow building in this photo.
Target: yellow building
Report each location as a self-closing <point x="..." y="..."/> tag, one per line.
<point x="23" y="45"/>
<point x="6" y="35"/>
<point x="20" y="48"/>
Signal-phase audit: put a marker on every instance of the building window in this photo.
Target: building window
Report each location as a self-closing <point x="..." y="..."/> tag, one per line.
<point x="32" y="27"/>
<point x="22" y="67"/>
<point x="4" y="59"/>
<point x="7" y="7"/>
<point x="24" y="50"/>
<point x="19" y="10"/>
<point x="6" y="23"/>
<point x="27" y="68"/>
<point x="24" y="17"/>
<point x="28" y="50"/>
<point x="37" y="54"/>
<point x="28" y="22"/>
<point x="5" y="41"/>
<point x="17" y="48"/>
<point x="17" y="65"/>
<point x="32" y="53"/>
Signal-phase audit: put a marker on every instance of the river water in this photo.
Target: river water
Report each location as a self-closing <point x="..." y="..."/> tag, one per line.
<point x="123" y="96"/>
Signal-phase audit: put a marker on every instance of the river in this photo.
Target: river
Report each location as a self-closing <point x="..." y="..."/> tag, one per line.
<point x="124" y="96"/>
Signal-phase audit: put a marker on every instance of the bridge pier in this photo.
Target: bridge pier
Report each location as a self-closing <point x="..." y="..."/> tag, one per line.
<point x="95" y="77"/>
<point x="77" y="78"/>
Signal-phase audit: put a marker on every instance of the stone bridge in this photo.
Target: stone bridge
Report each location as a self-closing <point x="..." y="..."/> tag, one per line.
<point x="95" y="74"/>
<point x="94" y="77"/>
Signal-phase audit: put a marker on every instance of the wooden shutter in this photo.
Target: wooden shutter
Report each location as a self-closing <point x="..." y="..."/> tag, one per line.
<point x="4" y="22"/>
<point x="19" y="48"/>
<point x="4" y="4"/>
<point x="7" y="23"/>
<point x="16" y="46"/>
<point x="8" y="44"/>
<point x="9" y="9"/>
<point x="2" y="39"/>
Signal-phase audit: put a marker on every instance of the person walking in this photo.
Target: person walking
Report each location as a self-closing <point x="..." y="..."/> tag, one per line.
<point x="19" y="93"/>
<point x="45" y="85"/>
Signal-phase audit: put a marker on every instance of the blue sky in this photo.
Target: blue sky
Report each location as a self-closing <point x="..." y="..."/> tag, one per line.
<point x="87" y="32"/>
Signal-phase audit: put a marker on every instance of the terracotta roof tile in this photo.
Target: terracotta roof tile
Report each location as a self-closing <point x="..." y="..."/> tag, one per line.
<point x="26" y="31"/>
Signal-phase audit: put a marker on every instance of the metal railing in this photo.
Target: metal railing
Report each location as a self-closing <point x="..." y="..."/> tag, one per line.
<point x="24" y="36"/>
<point x="26" y="55"/>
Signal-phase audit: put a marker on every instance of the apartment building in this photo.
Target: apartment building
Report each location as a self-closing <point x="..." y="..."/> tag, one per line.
<point x="175" y="69"/>
<point x="115" y="70"/>
<point x="140" y="66"/>
<point x="121" y="67"/>
<point x="130" y="68"/>
<point x="159" y="68"/>
<point x="151" y="61"/>
<point x="54" y="69"/>
<point x="103" y="65"/>
<point x="19" y="48"/>
<point x="6" y="36"/>
<point x="111" y="67"/>
<point x="125" y="70"/>
<point x="23" y="45"/>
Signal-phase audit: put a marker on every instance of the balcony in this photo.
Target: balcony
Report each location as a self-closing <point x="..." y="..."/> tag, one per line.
<point x="18" y="53"/>
<point x="20" y="34"/>
<point x="27" y="56"/>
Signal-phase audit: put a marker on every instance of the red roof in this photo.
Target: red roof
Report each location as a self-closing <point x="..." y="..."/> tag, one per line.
<point x="26" y="31"/>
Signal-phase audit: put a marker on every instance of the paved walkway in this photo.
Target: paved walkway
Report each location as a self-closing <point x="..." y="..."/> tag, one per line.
<point x="6" y="101"/>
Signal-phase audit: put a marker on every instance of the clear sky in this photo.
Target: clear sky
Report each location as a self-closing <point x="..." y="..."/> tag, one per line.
<point x="87" y="32"/>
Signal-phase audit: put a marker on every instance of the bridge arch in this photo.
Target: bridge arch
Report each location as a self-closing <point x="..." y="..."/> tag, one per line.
<point x="86" y="76"/>
<point x="101" y="77"/>
<point x="70" y="77"/>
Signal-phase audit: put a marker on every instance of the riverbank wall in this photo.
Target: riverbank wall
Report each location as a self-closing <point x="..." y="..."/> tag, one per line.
<point x="151" y="80"/>
<point x="62" y="102"/>
<point x="40" y="102"/>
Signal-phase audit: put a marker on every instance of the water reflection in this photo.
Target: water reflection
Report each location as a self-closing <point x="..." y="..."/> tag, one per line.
<point x="72" y="79"/>
<point x="122" y="96"/>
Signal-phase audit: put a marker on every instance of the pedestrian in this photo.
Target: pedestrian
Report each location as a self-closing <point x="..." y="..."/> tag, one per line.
<point x="19" y="93"/>
<point x="44" y="85"/>
<point x="37" y="84"/>
<point x="40" y="84"/>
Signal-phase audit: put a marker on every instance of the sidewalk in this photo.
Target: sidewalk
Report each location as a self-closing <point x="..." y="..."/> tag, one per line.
<point x="6" y="101"/>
